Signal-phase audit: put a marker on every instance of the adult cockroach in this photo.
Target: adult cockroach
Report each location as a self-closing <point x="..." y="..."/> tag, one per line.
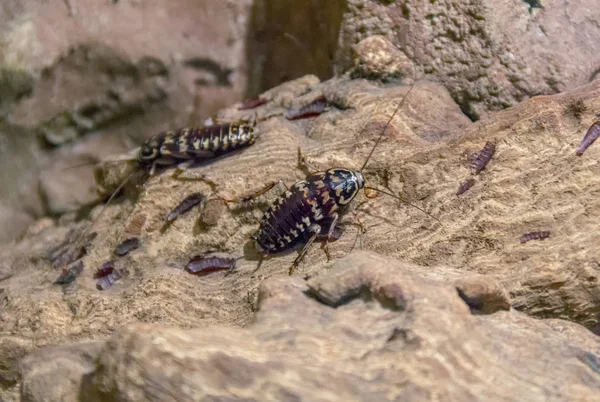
<point x="309" y="208"/>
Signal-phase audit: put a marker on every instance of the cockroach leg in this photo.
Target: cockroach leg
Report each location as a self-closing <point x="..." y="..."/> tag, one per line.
<point x="329" y="233"/>
<point x="252" y="196"/>
<point x="314" y="229"/>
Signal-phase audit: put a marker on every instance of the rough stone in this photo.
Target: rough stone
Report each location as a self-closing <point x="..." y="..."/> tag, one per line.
<point x="401" y="337"/>
<point x="489" y="54"/>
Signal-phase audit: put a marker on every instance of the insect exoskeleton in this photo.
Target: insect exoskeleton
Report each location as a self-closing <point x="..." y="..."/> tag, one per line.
<point x="308" y="209"/>
<point x="194" y="144"/>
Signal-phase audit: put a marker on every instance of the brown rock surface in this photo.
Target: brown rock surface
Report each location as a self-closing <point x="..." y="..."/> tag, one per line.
<point x="369" y="329"/>
<point x="489" y="54"/>
<point x="533" y="182"/>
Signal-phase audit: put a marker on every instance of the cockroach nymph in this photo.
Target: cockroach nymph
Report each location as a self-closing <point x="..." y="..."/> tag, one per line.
<point x="535" y="236"/>
<point x="481" y="159"/>
<point x="108" y="280"/>
<point x="126" y="246"/>
<point x="204" y="265"/>
<point x="309" y="208"/>
<point x="465" y="186"/>
<point x="69" y="275"/>
<point x="252" y="103"/>
<point x="315" y="108"/>
<point x="590" y="136"/>
<point x="106" y="269"/>
<point x="188" y="203"/>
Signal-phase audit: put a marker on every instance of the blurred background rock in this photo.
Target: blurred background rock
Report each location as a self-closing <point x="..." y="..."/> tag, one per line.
<point x="83" y="79"/>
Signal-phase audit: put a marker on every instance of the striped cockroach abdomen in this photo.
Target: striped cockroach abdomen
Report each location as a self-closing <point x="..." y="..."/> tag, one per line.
<point x="195" y="143"/>
<point x="481" y="160"/>
<point x="292" y="216"/>
<point x="590" y="136"/>
<point x="534" y="236"/>
<point x="465" y="186"/>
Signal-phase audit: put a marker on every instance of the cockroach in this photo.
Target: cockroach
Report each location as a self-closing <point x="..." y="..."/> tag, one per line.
<point x="590" y="136"/>
<point x="203" y="265"/>
<point x="535" y="236"/>
<point x="252" y="103"/>
<point x="107" y="281"/>
<point x="69" y="275"/>
<point x="465" y="186"/>
<point x="106" y="269"/>
<point x="315" y="108"/>
<point x="186" y="146"/>
<point x="126" y="246"/>
<point x="310" y="206"/>
<point x="481" y="159"/>
<point x="188" y="203"/>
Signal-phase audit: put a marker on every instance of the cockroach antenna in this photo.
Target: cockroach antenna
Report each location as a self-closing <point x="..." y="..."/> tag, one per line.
<point x="390" y="120"/>
<point x="380" y="138"/>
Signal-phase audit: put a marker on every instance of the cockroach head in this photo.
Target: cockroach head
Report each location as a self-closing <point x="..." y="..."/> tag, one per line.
<point x="148" y="152"/>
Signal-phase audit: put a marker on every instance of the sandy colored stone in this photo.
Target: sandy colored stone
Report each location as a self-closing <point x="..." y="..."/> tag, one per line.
<point x="402" y="337"/>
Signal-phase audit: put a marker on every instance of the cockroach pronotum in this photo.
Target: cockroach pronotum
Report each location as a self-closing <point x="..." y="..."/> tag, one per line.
<point x="309" y="208"/>
<point x="204" y="265"/>
<point x="481" y="159"/>
<point x="535" y="236"/>
<point x="465" y="186"/>
<point x="590" y="136"/>
<point x="315" y="108"/>
<point x="127" y="245"/>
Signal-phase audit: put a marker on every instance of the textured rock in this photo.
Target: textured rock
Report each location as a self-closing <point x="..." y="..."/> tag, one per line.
<point x="372" y="331"/>
<point x="533" y="182"/>
<point x="489" y="54"/>
<point x="55" y="373"/>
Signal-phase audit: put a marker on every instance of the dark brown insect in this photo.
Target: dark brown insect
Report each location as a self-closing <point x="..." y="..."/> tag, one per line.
<point x="69" y="275"/>
<point x="535" y="236"/>
<point x="203" y="265"/>
<point x="590" y="136"/>
<point x="252" y="103"/>
<point x="315" y="108"/>
<point x="310" y="207"/>
<point x="188" y="203"/>
<point x="106" y="269"/>
<point x="107" y="281"/>
<point x="465" y="186"/>
<point x="126" y="246"/>
<point x="481" y="159"/>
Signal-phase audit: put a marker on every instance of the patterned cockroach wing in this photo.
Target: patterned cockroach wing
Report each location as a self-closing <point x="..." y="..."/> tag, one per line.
<point x="590" y="136"/>
<point x="481" y="160"/>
